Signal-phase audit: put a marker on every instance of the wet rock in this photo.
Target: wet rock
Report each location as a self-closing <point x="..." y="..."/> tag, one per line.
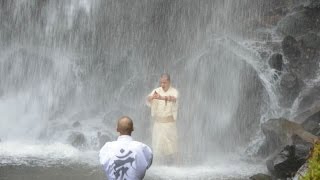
<point x="288" y="161"/>
<point x="276" y="61"/>
<point x="310" y="40"/>
<point x="290" y="47"/>
<point x="103" y="138"/>
<point x="260" y="176"/>
<point x="289" y="81"/>
<point x="290" y="88"/>
<point x="77" y="139"/>
<point x="295" y="24"/>
<point x="249" y="111"/>
<point x="263" y="54"/>
<point x="313" y="4"/>
<point x="312" y="124"/>
<point x="76" y="124"/>
<point x="275" y="137"/>
<point x="309" y="104"/>
<point x="279" y="132"/>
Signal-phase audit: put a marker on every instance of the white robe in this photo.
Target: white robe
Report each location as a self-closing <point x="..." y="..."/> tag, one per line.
<point x="125" y="159"/>
<point x="164" y="134"/>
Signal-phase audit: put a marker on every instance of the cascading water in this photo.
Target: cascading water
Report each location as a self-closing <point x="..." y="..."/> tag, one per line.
<point x="64" y="62"/>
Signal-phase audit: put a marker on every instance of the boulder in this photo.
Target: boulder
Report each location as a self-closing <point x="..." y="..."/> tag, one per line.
<point x="77" y="139"/>
<point x="289" y="81"/>
<point x="249" y="111"/>
<point x="103" y="138"/>
<point x="288" y="161"/>
<point x="290" y="47"/>
<point x="76" y="124"/>
<point x="275" y="137"/>
<point x="276" y="61"/>
<point x="302" y="56"/>
<point x="279" y="132"/>
<point x="312" y="124"/>
<point x="260" y="176"/>
<point x="295" y="139"/>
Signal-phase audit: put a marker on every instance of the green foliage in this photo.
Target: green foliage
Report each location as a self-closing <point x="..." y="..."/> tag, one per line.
<point x="313" y="172"/>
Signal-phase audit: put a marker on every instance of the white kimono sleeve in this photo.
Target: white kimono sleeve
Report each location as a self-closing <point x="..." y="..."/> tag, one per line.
<point x="151" y="94"/>
<point x="175" y="107"/>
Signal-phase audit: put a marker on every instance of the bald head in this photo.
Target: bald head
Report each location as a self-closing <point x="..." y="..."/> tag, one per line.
<point x="165" y="81"/>
<point x="165" y="76"/>
<point x="125" y="125"/>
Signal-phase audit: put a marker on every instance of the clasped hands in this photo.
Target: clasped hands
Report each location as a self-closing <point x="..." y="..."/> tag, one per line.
<point x="166" y="98"/>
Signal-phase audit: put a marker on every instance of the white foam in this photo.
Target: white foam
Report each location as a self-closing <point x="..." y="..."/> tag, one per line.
<point x="227" y="169"/>
<point x="54" y="152"/>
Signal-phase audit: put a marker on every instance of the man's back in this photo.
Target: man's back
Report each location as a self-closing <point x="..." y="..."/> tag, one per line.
<point x="125" y="159"/>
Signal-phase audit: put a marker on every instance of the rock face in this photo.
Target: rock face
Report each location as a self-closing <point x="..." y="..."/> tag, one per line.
<point x="312" y="124"/>
<point x="252" y="91"/>
<point x="288" y="161"/>
<point x="279" y="132"/>
<point x="276" y="61"/>
<point x="290" y="47"/>
<point x="77" y="139"/>
<point x="289" y="87"/>
<point x="310" y="40"/>
<point x="298" y="63"/>
<point x="295" y="24"/>
<point x="313" y="4"/>
<point x="309" y="104"/>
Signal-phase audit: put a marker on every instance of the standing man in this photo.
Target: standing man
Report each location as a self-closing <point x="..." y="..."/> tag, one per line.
<point x="125" y="159"/>
<point x="164" y="106"/>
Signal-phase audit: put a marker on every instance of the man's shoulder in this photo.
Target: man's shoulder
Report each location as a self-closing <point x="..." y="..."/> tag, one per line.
<point x="138" y="144"/>
<point x="174" y="90"/>
<point x="108" y="145"/>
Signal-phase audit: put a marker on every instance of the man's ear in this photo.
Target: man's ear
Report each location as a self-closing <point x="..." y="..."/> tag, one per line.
<point x="132" y="128"/>
<point x="118" y="129"/>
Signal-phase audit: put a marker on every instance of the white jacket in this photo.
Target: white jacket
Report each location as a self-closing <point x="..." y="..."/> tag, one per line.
<point x="125" y="159"/>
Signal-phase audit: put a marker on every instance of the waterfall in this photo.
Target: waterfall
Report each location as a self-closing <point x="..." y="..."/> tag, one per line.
<point x="63" y="62"/>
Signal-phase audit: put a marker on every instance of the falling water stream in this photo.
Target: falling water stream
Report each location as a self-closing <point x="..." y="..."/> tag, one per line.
<point x="91" y="61"/>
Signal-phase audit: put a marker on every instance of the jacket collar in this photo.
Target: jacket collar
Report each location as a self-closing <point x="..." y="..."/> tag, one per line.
<point x="124" y="138"/>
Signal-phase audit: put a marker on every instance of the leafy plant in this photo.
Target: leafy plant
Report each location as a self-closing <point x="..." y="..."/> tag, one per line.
<point x="313" y="172"/>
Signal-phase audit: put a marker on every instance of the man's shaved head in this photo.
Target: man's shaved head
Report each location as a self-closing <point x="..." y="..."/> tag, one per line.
<point x="165" y="76"/>
<point x="125" y="125"/>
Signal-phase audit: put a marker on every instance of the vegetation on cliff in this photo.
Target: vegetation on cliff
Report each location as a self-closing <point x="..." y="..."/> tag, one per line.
<point x="313" y="164"/>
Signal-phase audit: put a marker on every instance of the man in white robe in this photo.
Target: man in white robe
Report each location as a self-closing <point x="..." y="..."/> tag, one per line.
<point x="125" y="158"/>
<point x="164" y="105"/>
